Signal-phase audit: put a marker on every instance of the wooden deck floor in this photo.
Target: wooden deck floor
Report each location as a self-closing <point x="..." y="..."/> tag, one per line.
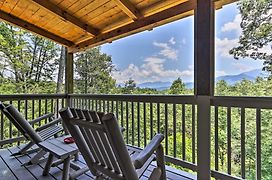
<point x="11" y="169"/>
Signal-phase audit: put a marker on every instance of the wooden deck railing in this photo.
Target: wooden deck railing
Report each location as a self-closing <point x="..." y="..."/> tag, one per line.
<point x="174" y="116"/>
<point x="31" y="106"/>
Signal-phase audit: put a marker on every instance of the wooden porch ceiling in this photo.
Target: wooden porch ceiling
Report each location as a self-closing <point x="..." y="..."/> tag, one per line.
<point x="79" y="24"/>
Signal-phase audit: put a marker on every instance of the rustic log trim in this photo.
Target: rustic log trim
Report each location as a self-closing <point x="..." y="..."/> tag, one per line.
<point x="128" y="8"/>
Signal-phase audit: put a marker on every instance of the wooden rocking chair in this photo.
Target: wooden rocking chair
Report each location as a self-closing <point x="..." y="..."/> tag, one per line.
<point x="36" y="136"/>
<point x="105" y="152"/>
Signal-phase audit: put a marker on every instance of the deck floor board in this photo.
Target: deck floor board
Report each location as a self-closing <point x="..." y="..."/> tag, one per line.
<point x="10" y="168"/>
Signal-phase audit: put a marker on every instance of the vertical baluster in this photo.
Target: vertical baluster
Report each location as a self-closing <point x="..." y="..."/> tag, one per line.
<point x="132" y="121"/>
<point x="183" y="133"/>
<point x="258" y="144"/>
<point x="116" y="110"/>
<point x="151" y="120"/>
<point x="62" y="102"/>
<point x="127" y="121"/>
<point x="10" y="126"/>
<point x="40" y="110"/>
<point x="96" y="104"/>
<point x="100" y="105"/>
<point x="158" y="117"/>
<point x="33" y="110"/>
<point x="52" y="105"/>
<point x="138" y="124"/>
<point x="104" y="106"/>
<point x="216" y="145"/>
<point x="73" y="103"/>
<point x="108" y="106"/>
<point x="82" y="104"/>
<point x="175" y="130"/>
<point x="112" y="107"/>
<point x="45" y="108"/>
<point x="243" y="149"/>
<point x="122" y="114"/>
<point x="166" y="128"/>
<point x="2" y="126"/>
<point x="145" y="140"/>
<point x="193" y="134"/>
<point x="229" y="139"/>
<point x="19" y="109"/>
<point x="89" y="104"/>
<point x="77" y="103"/>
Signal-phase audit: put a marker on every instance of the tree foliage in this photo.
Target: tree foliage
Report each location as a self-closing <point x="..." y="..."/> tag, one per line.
<point x="256" y="34"/>
<point x="26" y="59"/>
<point x="93" y="69"/>
<point x="177" y="87"/>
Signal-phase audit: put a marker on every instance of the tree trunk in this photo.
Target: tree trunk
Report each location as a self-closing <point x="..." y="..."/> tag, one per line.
<point x="61" y="70"/>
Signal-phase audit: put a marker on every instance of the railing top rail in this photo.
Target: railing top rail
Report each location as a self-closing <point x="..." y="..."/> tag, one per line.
<point x="31" y="96"/>
<point x="244" y="102"/>
<point x="139" y="98"/>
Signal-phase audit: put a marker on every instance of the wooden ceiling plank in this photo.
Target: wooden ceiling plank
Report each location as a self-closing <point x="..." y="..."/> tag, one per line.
<point x="68" y="17"/>
<point x="135" y="26"/>
<point x="25" y="25"/>
<point x="8" y="6"/>
<point x="128" y="8"/>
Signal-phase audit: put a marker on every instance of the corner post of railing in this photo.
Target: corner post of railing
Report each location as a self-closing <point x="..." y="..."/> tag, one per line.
<point x="203" y="137"/>
<point x="204" y="81"/>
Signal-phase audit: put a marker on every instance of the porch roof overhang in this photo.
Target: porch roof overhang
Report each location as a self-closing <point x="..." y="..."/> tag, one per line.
<point x="81" y="24"/>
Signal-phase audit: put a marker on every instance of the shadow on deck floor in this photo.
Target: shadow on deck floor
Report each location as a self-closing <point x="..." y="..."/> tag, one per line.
<point x="11" y="169"/>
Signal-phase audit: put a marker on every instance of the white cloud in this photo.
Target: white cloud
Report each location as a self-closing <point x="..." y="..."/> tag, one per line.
<point x="242" y="67"/>
<point x="220" y="73"/>
<point x="172" y="41"/>
<point x="166" y="50"/>
<point x="233" y="25"/>
<point x="223" y="46"/>
<point x="152" y="70"/>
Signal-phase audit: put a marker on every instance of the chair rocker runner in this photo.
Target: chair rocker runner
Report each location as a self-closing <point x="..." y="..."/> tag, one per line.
<point x="42" y="133"/>
<point x="104" y="150"/>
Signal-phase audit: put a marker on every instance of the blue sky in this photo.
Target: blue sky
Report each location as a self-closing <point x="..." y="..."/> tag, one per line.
<point x="166" y="52"/>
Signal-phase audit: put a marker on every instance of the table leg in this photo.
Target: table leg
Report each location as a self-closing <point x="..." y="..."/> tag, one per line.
<point x="66" y="167"/>
<point x="48" y="165"/>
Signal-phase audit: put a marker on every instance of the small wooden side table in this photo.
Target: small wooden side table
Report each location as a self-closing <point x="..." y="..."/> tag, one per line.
<point x="56" y="147"/>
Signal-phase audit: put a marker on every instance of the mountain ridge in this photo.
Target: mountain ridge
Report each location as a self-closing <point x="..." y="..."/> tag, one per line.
<point x="230" y="79"/>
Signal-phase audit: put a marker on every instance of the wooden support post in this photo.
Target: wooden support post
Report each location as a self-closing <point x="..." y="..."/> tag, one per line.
<point x="69" y="79"/>
<point x="204" y="48"/>
<point x="204" y="82"/>
<point x="69" y="73"/>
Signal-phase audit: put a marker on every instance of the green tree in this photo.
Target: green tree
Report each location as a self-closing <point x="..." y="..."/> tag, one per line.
<point x="94" y="70"/>
<point x="256" y="32"/>
<point x="177" y="87"/>
<point x="26" y="59"/>
<point x="130" y="87"/>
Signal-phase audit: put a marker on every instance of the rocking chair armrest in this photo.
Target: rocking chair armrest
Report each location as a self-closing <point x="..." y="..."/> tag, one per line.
<point x="49" y="124"/>
<point x="143" y="156"/>
<point x="38" y="119"/>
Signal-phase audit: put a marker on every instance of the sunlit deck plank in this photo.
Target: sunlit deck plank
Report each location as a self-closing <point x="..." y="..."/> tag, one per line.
<point x="10" y="168"/>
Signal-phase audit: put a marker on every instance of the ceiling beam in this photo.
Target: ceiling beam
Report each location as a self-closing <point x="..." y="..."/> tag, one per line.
<point x="65" y="15"/>
<point x="33" y="28"/>
<point x="137" y="26"/>
<point x="127" y="7"/>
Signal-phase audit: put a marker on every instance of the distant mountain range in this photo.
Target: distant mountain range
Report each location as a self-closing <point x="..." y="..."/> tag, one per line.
<point x="230" y="79"/>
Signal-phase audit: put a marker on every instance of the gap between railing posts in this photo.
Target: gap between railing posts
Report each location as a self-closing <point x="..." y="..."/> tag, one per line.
<point x="203" y="137"/>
